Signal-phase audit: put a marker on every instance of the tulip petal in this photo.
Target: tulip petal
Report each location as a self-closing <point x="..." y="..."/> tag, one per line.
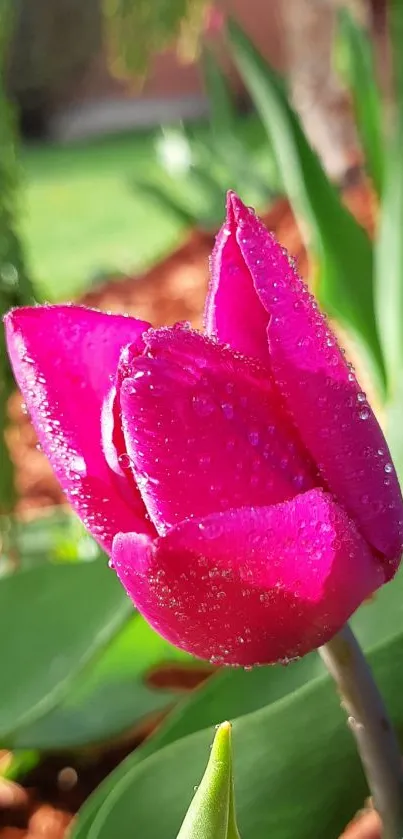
<point x="233" y="312"/>
<point x="321" y="391"/>
<point x="64" y="358"/>
<point x="253" y="585"/>
<point x="205" y="430"/>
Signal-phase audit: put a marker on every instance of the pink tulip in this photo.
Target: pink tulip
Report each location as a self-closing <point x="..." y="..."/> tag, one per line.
<point x="239" y="478"/>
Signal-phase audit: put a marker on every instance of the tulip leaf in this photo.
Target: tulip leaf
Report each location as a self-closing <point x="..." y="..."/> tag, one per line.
<point x="356" y="63"/>
<point x="389" y="268"/>
<point x="222" y="112"/>
<point x="236" y="693"/>
<point x="389" y="249"/>
<point x="340" y="246"/>
<point x="113" y="694"/>
<point x="53" y="620"/>
<point x="394" y="427"/>
<point x="211" y="814"/>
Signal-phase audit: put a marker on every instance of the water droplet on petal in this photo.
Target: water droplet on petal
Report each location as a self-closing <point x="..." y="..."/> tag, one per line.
<point x="228" y="410"/>
<point x="203" y="405"/>
<point x="124" y="461"/>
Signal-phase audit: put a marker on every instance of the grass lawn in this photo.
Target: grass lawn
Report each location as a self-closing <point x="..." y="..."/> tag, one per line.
<point x="83" y="216"/>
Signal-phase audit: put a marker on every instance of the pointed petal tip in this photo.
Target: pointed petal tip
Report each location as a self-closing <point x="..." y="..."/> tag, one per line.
<point x="235" y="206"/>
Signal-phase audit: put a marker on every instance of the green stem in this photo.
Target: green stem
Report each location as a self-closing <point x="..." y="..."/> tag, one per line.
<point x="370" y="724"/>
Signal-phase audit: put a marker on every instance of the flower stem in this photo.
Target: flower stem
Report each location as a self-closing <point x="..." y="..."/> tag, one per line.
<point x="373" y="731"/>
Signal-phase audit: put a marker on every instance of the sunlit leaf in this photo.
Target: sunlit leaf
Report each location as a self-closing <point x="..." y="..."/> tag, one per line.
<point x="356" y="62"/>
<point x="340" y="246"/>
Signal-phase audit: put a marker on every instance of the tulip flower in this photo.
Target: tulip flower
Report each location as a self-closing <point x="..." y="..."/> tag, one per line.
<point x="238" y="478"/>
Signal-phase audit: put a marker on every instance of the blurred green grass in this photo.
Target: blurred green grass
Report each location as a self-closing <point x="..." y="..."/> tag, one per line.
<point x="83" y="216"/>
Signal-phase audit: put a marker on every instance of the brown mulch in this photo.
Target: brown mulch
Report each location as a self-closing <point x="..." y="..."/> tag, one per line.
<point x="172" y="291"/>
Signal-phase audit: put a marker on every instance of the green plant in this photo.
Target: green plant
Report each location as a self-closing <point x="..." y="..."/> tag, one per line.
<point x="15" y="284"/>
<point x="202" y="167"/>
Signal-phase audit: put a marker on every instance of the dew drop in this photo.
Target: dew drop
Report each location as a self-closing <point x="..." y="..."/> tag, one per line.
<point x="364" y="414"/>
<point x="388" y="468"/>
<point x="202" y="405"/>
<point x="228" y="410"/>
<point x="124" y="461"/>
<point x="253" y="438"/>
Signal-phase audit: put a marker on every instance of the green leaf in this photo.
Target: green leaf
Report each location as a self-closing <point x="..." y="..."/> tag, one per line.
<point x="389" y="267"/>
<point x="389" y="247"/>
<point x="237" y="693"/>
<point x="53" y="620"/>
<point x="222" y="112"/>
<point x="394" y="433"/>
<point x="59" y="537"/>
<point x="110" y="696"/>
<point x="395" y="16"/>
<point x="340" y="245"/>
<point x="356" y="62"/>
<point x="137" y="29"/>
<point x="211" y="814"/>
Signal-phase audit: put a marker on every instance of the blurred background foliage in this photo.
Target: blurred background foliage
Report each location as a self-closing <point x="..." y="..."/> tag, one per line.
<point x="125" y="220"/>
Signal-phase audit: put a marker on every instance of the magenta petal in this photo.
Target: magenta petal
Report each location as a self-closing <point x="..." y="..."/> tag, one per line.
<point x="333" y="417"/>
<point x="233" y="312"/>
<point x="64" y="358"/>
<point x="251" y="586"/>
<point x="205" y="431"/>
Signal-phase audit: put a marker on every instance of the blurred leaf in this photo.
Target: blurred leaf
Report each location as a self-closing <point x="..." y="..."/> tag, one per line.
<point x="226" y="144"/>
<point x="222" y="111"/>
<point x="389" y="266"/>
<point x="58" y="536"/>
<point x="211" y="814"/>
<point x="339" y="244"/>
<point x="137" y="29"/>
<point x="16" y="764"/>
<point x="112" y="695"/>
<point x="200" y="203"/>
<point x="15" y="284"/>
<point x="394" y="427"/>
<point x="356" y="63"/>
<point x="236" y="693"/>
<point x="395" y="16"/>
<point x="389" y="248"/>
<point x="166" y="199"/>
<point x="53" y="620"/>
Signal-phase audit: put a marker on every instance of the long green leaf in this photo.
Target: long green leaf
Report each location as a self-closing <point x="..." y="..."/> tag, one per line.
<point x="356" y="63"/>
<point x="389" y="267"/>
<point x="389" y="248"/>
<point x="222" y="111"/>
<point x="339" y="243"/>
<point x="53" y="620"/>
<point x="112" y="694"/>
